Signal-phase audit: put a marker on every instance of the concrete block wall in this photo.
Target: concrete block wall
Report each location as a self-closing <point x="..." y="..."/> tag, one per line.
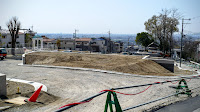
<point x="17" y="50"/>
<point x="3" y="90"/>
<point x="166" y="63"/>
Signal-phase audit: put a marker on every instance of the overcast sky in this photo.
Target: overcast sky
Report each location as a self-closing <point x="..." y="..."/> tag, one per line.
<point x="94" y="16"/>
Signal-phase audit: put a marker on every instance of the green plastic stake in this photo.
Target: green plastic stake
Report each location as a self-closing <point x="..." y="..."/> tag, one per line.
<point x="188" y="92"/>
<point x="110" y="102"/>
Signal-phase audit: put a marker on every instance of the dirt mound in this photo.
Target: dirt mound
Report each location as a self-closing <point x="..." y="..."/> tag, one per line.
<point x="119" y="63"/>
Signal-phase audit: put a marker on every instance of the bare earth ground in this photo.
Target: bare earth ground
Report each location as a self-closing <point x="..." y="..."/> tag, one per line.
<point x="75" y="85"/>
<point x="119" y="63"/>
<point x="25" y="90"/>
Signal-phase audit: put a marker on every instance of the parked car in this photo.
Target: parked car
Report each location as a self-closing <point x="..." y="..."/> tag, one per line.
<point x="125" y="53"/>
<point x="67" y="51"/>
<point x="3" y="53"/>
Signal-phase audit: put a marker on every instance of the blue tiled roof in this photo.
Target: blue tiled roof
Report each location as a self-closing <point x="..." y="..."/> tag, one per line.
<point x="37" y="36"/>
<point x="99" y="39"/>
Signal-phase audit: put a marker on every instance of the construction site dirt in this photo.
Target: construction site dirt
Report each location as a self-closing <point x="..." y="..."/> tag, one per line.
<point x="75" y="85"/>
<point x="118" y="63"/>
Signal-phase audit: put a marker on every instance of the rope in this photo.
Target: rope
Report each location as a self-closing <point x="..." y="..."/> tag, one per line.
<point x="70" y="104"/>
<point x="77" y="103"/>
<point x="188" y="80"/>
<point x="126" y="93"/>
<point x="155" y="100"/>
<point x="85" y="100"/>
<point x="65" y="107"/>
<point x="172" y="82"/>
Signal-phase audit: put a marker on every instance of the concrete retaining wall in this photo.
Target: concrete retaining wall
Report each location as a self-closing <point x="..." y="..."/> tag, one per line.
<point x="17" y="50"/>
<point x="166" y="63"/>
<point x="3" y="90"/>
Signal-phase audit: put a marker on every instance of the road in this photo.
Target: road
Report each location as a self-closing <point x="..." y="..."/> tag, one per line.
<point x="75" y="85"/>
<point x="190" y="105"/>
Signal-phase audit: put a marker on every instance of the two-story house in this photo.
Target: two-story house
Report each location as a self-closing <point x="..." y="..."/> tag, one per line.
<point x="67" y="43"/>
<point x="83" y="44"/>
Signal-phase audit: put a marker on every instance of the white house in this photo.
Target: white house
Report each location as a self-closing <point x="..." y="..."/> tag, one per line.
<point x="6" y="39"/>
<point x="98" y="44"/>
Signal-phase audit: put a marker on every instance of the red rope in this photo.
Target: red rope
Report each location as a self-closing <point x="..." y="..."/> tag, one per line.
<point x="70" y="104"/>
<point x="126" y="93"/>
<point x="188" y="80"/>
<point x="172" y="82"/>
<point x="119" y="93"/>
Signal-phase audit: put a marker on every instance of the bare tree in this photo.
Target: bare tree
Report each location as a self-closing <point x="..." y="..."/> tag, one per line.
<point x="13" y="27"/>
<point x="162" y="28"/>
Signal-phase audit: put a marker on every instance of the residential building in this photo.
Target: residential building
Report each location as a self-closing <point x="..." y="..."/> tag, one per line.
<point x="97" y="45"/>
<point x="82" y="44"/>
<point x="153" y="46"/>
<point x="108" y="45"/>
<point x="6" y="39"/>
<point x="67" y="43"/>
<point x="49" y="43"/>
<point x="118" y="47"/>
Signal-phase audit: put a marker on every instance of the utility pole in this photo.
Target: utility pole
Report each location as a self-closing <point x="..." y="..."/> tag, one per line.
<point x="182" y="38"/>
<point x="110" y="41"/>
<point x="109" y="34"/>
<point x="75" y="33"/>
<point x="32" y="27"/>
<point x="128" y="40"/>
<point x="197" y="52"/>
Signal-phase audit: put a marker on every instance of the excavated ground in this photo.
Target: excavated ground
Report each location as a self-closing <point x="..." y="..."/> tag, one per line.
<point x="119" y="63"/>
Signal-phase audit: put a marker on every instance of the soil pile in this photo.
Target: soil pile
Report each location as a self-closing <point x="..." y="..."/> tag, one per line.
<point x="119" y="63"/>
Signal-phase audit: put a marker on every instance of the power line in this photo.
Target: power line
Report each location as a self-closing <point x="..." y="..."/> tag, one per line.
<point x="195" y="17"/>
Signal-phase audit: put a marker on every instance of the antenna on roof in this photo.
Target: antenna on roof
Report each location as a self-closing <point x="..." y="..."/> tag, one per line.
<point x="32" y="27"/>
<point x="74" y="34"/>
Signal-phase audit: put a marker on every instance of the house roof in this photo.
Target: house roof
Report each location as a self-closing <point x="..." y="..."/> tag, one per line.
<point x="99" y="39"/>
<point x="153" y="44"/>
<point x="37" y="36"/>
<point x="20" y="33"/>
<point x="48" y="40"/>
<point x="7" y="32"/>
<point x="44" y="37"/>
<point x="83" y="39"/>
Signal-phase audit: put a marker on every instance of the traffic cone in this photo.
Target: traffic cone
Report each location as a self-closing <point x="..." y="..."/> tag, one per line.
<point x="35" y="95"/>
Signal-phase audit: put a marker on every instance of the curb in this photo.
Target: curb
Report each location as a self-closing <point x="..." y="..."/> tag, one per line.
<point x="109" y="72"/>
<point x="36" y="85"/>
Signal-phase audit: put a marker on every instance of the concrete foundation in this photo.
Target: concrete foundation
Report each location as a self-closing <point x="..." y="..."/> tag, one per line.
<point x="166" y="63"/>
<point x="3" y="90"/>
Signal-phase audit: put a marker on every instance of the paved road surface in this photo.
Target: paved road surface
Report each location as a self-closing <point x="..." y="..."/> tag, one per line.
<point x="190" y="105"/>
